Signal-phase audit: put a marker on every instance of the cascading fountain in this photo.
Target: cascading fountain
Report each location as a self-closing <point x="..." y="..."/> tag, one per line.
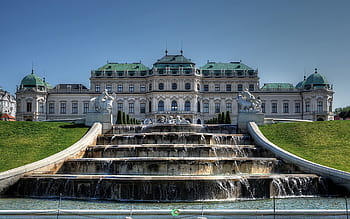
<point x="171" y="163"/>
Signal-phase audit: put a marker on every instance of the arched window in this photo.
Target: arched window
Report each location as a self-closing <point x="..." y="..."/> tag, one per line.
<point x="187" y="106"/>
<point x="198" y="107"/>
<point x="150" y="106"/>
<point x="173" y="105"/>
<point x="161" y="105"/>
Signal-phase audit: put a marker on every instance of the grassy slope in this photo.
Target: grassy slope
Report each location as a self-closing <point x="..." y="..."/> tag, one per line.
<point x="326" y="143"/>
<point x="25" y="142"/>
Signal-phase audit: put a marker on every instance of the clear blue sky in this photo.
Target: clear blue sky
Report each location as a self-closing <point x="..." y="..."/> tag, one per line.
<point x="285" y="39"/>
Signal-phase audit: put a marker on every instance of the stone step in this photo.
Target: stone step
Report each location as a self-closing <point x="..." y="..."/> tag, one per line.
<point x="170" y="165"/>
<point x="171" y="150"/>
<point x="171" y="178"/>
<point x="141" y="159"/>
<point x="165" y="188"/>
<point x="173" y="138"/>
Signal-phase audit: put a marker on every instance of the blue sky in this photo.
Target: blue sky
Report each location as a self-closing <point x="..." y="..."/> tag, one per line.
<point x="284" y="39"/>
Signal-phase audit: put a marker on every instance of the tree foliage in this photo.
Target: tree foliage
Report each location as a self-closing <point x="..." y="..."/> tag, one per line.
<point x="343" y="112"/>
<point x="222" y="118"/>
<point x="126" y="119"/>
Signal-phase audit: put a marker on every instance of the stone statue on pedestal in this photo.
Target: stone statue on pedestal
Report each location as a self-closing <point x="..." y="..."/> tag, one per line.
<point x="248" y="103"/>
<point x="102" y="103"/>
<point x="249" y="111"/>
<point x="101" y="111"/>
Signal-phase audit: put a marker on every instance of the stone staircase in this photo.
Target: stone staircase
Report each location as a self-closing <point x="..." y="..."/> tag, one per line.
<point x="169" y="163"/>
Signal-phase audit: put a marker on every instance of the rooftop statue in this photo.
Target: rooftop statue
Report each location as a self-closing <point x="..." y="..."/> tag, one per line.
<point x="248" y="103"/>
<point x="102" y="103"/>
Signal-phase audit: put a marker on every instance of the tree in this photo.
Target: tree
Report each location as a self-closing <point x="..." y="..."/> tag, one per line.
<point x="124" y="118"/>
<point x="119" y="117"/>
<point x="223" y="118"/>
<point x="127" y="119"/>
<point x="228" y="118"/>
<point x="343" y="112"/>
<point x="219" y="119"/>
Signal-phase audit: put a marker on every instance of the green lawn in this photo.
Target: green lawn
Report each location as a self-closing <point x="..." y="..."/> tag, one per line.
<point x="25" y="142"/>
<point x="326" y="143"/>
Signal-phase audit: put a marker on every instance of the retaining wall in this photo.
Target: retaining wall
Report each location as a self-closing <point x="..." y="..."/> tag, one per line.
<point x="52" y="163"/>
<point x="340" y="178"/>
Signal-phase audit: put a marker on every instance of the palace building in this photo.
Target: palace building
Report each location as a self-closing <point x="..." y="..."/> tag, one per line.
<point x="173" y="86"/>
<point x="7" y="103"/>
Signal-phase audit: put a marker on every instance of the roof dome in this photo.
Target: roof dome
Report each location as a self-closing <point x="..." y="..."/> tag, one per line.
<point x="316" y="80"/>
<point x="301" y="84"/>
<point x="32" y="80"/>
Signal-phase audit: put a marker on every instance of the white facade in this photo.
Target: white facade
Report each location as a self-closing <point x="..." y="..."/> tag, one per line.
<point x="174" y="86"/>
<point x="7" y="103"/>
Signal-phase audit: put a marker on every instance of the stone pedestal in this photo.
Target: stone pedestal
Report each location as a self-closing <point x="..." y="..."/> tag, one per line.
<point x="245" y="117"/>
<point x="106" y="119"/>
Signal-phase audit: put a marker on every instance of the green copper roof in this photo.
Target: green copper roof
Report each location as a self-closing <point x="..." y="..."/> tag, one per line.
<point x="277" y="86"/>
<point x="123" y="67"/>
<point x="48" y="85"/>
<point x="316" y="79"/>
<point x="225" y="66"/>
<point x="174" y="59"/>
<point x="32" y="80"/>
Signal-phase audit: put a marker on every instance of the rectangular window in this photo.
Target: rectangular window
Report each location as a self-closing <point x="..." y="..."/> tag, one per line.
<point x="97" y="88"/>
<point x="307" y="107"/>
<point x="131" y="88"/>
<point x="150" y="87"/>
<point x="206" y="107"/>
<point x="41" y="107"/>
<point x="240" y="87"/>
<point x="63" y="108"/>
<point x="319" y="106"/>
<point x="251" y="87"/>
<point x="229" y="107"/>
<point x="263" y="107"/>
<point x="51" y="108"/>
<point x="142" y="88"/>
<point x="217" y="107"/>
<point x="131" y="107"/>
<point x="120" y="107"/>
<point x="29" y="107"/>
<point x="297" y="108"/>
<point x="206" y="87"/>
<point x="142" y="108"/>
<point x="228" y="87"/>
<point x="109" y="88"/>
<point x="74" y="108"/>
<point x="274" y="108"/>
<point x="285" y="108"/>
<point x="217" y="87"/>
<point x="86" y="107"/>
<point x="120" y="88"/>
